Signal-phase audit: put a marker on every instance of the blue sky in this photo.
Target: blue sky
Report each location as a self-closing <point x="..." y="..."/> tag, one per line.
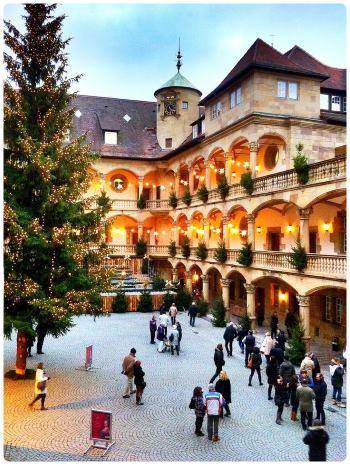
<point x="129" y="50"/>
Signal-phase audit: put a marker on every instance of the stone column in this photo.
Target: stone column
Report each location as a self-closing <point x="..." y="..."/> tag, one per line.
<point x="207" y="175"/>
<point x="253" y="148"/>
<point x="191" y="180"/>
<point x="140" y="179"/>
<point x="304" y="216"/>
<point x="177" y="184"/>
<point x="304" y="312"/>
<point x="188" y="281"/>
<point x="225" y="232"/>
<point x="251" y="230"/>
<point x="174" y="275"/>
<point x="225" y="284"/>
<point x="139" y="230"/>
<point x="228" y="167"/>
<point x="206" y="232"/>
<point x="205" y="281"/>
<point x="250" y="288"/>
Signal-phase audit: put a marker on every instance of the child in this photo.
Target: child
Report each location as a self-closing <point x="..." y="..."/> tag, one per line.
<point x="197" y="403"/>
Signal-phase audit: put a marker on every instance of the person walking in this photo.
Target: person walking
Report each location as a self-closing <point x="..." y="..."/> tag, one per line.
<point x="153" y="328"/>
<point x="139" y="381"/>
<point x="41" y="331"/>
<point x="241" y="333"/>
<point x="317" y="439"/>
<point x="164" y="321"/>
<point x="128" y="371"/>
<point x="337" y="380"/>
<point x="287" y="370"/>
<point x="278" y="353"/>
<point x="249" y="343"/>
<point x="317" y="367"/>
<point x="281" y="340"/>
<point x="219" y="361"/>
<point x="40" y="389"/>
<point x="267" y="345"/>
<point x="281" y="397"/>
<point x="294" y="402"/>
<point x="274" y="324"/>
<point x="29" y="343"/>
<point x="255" y="365"/>
<point x="197" y="403"/>
<point x="192" y="313"/>
<point x="271" y="373"/>
<point x="320" y="390"/>
<point x="305" y="396"/>
<point x="308" y="365"/>
<point x="174" y="339"/>
<point x="213" y="402"/>
<point x="160" y="338"/>
<point x="229" y="335"/>
<point x="179" y="330"/>
<point x="173" y="313"/>
<point x="223" y="386"/>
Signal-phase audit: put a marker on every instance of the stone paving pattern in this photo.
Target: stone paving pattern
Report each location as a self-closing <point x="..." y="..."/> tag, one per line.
<point x="163" y="428"/>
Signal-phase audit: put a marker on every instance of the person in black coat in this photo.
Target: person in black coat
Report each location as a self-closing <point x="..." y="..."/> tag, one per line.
<point x="320" y="390"/>
<point x="271" y="373"/>
<point x="317" y="368"/>
<point x="317" y="439"/>
<point x="241" y="333"/>
<point x="218" y="360"/>
<point x="281" y="340"/>
<point x="229" y="334"/>
<point x="139" y="381"/>
<point x="256" y="362"/>
<point x="192" y="313"/>
<point x="274" y="324"/>
<point x="153" y="328"/>
<point x="278" y="353"/>
<point x="179" y="330"/>
<point x="249" y="342"/>
<point x="223" y="386"/>
<point x="281" y="397"/>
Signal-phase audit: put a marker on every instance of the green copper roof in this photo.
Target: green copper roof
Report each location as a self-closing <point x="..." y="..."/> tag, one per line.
<point x="178" y="81"/>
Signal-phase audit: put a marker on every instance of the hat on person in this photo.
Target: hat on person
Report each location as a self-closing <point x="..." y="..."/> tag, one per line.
<point x="133" y="350"/>
<point x="174" y="326"/>
<point x="211" y="387"/>
<point x="193" y="303"/>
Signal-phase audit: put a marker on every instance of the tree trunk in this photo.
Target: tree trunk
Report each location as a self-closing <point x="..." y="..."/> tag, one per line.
<point x="21" y="356"/>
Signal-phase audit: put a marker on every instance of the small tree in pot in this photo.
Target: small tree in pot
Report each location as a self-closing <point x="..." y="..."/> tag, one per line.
<point x="203" y="194"/>
<point x="247" y="182"/>
<point x="173" y="200"/>
<point x="185" y="248"/>
<point x="221" y="253"/>
<point x="245" y="255"/>
<point x="141" y="247"/>
<point x="202" y="251"/>
<point x="187" y="198"/>
<point x="172" y="249"/>
<point x="223" y="188"/>
<point x="301" y="165"/>
<point x="298" y="257"/>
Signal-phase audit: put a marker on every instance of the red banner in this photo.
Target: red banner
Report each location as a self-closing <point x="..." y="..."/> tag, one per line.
<point x="101" y="425"/>
<point x="88" y="357"/>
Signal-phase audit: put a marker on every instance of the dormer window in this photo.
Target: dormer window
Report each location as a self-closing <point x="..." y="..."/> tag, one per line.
<point x="287" y="90"/>
<point x="184" y="104"/>
<point x="111" y="137"/>
<point x="235" y="98"/>
<point x="332" y="102"/>
<point x="336" y="100"/>
<point x="216" y="110"/>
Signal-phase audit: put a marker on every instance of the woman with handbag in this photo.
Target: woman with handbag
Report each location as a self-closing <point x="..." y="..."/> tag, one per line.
<point x="197" y="404"/>
<point x="139" y="381"/>
<point x="254" y="363"/>
<point x="40" y="389"/>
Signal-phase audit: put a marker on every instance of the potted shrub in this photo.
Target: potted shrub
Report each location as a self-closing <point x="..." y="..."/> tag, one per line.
<point x="173" y="200"/>
<point x="298" y="257"/>
<point x="223" y="188"/>
<point x="158" y="283"/>
<point x="218" y="312"/>
<point x="245" y="255"/>
<point x="203" y="194"/>
<point x="295" y="346"/>
<point x="141" y="202"/>
<point x="185" y="248"/>
<point x="120" y="303"/>
<point x="144" y="266"/>
<point x="203" y="307"/>
<point x="221" y="253"/>
<point x="247" y="182"/>
<point x="141" y="247"/>
<point x="187" y="198"/>
<point x="183" y="298"/>
<point x="244" y="322"/>
<point x="202" y="251"/>
<point x="172" y="249"/>
<point x="145" y="303"/>
<point x="301" y="165"/>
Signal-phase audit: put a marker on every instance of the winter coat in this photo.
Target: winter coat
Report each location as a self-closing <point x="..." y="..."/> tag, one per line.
<point x="219" y="358"/>
<point x="287" y="370"/>
<point x="179" y="330"/>
<point x="278" y="353"/>
<point x="40" y="377"/>
<point x="293" y="385"/>
<point x="267" y="345"/>
<point x="281" y="394"/>
<point x="241" y="334"/>
<point x="337" y="377"/>
<point x="164" y="320"/>
<point x="199" y="407"/>
<point x="175" y="339"/>
<point x="213" y="402"/>
<point x="257" y="361"/>
<point x="193" y="310"/>
<point x="317" y="439"/>
<point x="249" y="342"/>
<point x="310" y="381"/>
<point x="230" y="333"/>
<point x="305" y="396"/>
<point x="128" y="365"/>
<point x="320" y="390"/>
<point x="160" y="333"/>
<point x="153" y="325"/>
<point x="173" y="311"/>
<point x="281" y="340"/>
<point x="271" y="372"/>
<point x="274" y="322"/>
<point x="308" y="365"/>
<point x="317" y="368"/>
<point x="224" y="388"/>
<point x="138" y="375"/>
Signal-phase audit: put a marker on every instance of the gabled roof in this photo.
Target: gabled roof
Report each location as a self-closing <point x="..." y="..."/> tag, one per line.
<point x="177" y="81"/>
<point x="262" y="56"/>
<point x="337" y="76"/>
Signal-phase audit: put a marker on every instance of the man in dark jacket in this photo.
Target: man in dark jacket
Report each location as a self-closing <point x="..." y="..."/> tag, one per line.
<point x="317" y="368"/>
<point x="281" y="340"/>
<point x="229" y="334"/>
<point x="287" y="370"/>
<point x="249" y="342"/>
<point x="337" y="380"/>
<point x="218" y="360"/>
<point x="317" y="439"/>
<point x="274" y="324"/>
<point x="320" y="390"/>
<point x="192" y="312"/>
<point x="240" y="336"/>
<point x="278" y="353"/>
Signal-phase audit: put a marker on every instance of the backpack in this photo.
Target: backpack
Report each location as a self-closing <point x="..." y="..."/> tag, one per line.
<point x="41" y="385"/>
<point x="250" y="361"/>
<point x="192" y="404"/>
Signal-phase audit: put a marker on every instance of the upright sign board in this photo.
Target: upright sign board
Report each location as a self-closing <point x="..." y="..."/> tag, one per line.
<point x="88" y="357"/>
<point x="101" y="430"/>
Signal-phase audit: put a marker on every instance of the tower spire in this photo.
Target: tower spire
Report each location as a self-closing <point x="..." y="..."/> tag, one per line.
<point x="179" y="56"/>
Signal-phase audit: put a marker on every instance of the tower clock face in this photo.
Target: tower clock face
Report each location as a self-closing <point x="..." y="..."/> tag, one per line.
<point x="169" y="107"/>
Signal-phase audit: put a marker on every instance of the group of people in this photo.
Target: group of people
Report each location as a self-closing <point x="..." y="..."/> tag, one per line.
<point x="160" y="332"/>
<point x="131" y="368"/>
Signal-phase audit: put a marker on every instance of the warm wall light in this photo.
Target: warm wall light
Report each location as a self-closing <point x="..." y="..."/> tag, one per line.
<point x="259" y="229"/>
<point x="243" y="233"/>
<point x="257" y="168"/>
<point x="156" y="234"/>
<point x="289" y="228"/>
<point x="282" y="296"/>
<point x="195" y="278"/>
<point x="326" y="227"/>
<point x="233" y="174"/>
<point x="148" y="231"/>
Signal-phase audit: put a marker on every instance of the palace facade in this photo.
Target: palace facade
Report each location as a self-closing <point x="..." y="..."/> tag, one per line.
<point x="251" y="122"/>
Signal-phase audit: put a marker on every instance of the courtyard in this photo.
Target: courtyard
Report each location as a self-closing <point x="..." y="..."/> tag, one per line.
<point x="163" y="428"/>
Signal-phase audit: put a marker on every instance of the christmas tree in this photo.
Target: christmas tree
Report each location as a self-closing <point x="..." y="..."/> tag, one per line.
<point x="53" y="237"/>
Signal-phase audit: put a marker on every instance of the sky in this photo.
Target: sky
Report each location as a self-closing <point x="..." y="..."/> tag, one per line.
<point x="129" y="50"/>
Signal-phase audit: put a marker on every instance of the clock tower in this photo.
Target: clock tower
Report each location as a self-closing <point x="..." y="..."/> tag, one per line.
<point x="177" y="108"/>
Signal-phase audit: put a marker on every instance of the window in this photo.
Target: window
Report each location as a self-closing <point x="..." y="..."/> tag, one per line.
<point x="287" y="90"/>
<point x="235" y="98"/>
<point x="338" y="310"/>
<point x="111" y="137"/>
<point x="335" y="103"/>
<point x="344" y="104"/>
<point x="184" y="104"/>
<point x="195" y="131"/>
<point x="168" y="142"/>
<point x="328" y="310"/>
<point x="324" y="101"/>
<point x="216" y="110"/>
<point x="271" y="157"/>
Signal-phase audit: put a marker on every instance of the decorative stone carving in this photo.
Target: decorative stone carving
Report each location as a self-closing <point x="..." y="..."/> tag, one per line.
<point x="205" y="278"/>
<point x="253" y="146"/>
<point x="225" y="282"/>
<point x="303" y="300"/>
<point x="250" y="218"/>
<point x="250" y="288"/>
<point x="305" y="213"/>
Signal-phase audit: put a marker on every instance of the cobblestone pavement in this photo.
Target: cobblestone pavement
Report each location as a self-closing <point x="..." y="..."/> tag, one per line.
<point x="160" y="430"/>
